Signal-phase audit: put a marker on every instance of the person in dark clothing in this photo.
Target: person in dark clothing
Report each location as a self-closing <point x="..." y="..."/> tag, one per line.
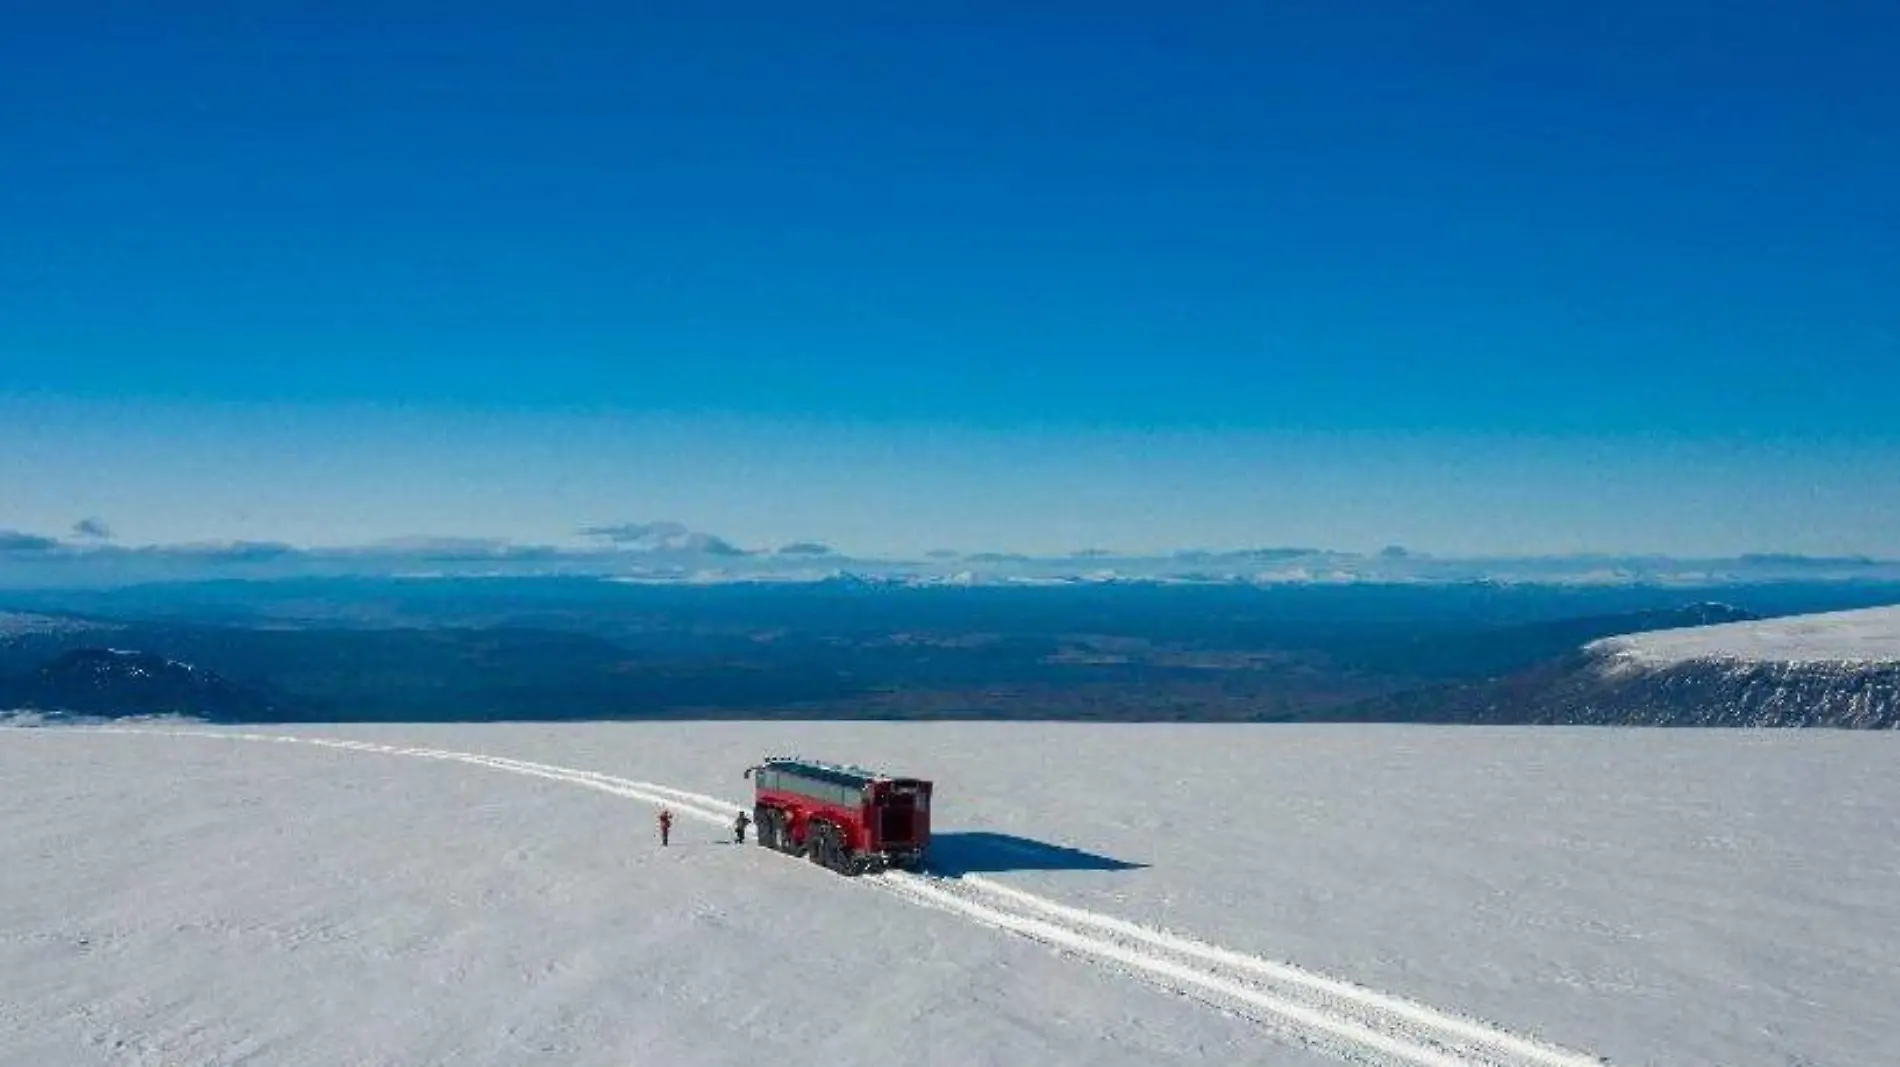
<point x="738" y="829"/>
<point x="666" y="826"/>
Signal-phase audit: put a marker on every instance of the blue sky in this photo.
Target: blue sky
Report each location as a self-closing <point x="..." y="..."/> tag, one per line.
<point x="1477" y="278"/>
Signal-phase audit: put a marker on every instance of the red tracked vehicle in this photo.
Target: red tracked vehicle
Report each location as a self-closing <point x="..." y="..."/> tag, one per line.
<point x="845" y="818"/>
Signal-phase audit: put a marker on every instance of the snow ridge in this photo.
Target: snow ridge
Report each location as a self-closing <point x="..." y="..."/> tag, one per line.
<point x="1863" y="637"/>
<point x="1348" y="1021"/>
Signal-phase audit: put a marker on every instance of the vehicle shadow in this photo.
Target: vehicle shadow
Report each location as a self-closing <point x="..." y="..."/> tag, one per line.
<point x="981" y="852"/>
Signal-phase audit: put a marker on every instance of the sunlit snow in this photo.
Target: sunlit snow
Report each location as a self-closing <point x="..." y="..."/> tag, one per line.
<point x="1144" y="894"/>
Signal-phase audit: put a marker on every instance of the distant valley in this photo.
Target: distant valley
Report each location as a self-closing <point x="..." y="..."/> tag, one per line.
<point x="348" y="650"/>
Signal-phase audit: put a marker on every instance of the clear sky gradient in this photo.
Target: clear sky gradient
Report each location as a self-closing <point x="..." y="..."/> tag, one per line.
<point x="1468" y="277"/>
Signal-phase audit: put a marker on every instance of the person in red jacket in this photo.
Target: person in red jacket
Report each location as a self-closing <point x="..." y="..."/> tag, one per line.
<point x="666" y="826"/>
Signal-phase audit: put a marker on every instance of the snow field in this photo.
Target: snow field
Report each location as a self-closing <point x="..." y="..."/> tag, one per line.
<point x="1865" y="636"/>
<point x="1653" y="897"/>
<point x="1355" y="1024"/>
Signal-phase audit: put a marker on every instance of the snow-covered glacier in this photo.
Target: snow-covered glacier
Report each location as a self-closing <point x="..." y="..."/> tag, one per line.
<point x="1292" y="895"/>
<point x="1836" y="669"/>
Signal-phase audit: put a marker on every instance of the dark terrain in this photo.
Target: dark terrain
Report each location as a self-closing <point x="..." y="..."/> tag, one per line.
<point x="1582" y="689"/>
<point x="107" y="682"/>
<point x="555" y="649"/>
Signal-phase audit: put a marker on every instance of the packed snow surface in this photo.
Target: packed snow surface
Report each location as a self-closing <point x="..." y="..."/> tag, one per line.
<point x="1870" y="635"/>
<point x="1105" y="895"/>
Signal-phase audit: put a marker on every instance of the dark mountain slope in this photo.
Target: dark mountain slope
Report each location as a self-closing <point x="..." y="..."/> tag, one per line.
<point x="1836" y="670"/>
<point x="117" y="683"/>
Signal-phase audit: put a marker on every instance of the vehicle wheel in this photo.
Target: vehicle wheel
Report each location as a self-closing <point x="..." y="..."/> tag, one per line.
<point x="766" y="832"/>
<point x="846" y="862"/>
<point x="841" y="859"/>
<point x="818" y="842"/>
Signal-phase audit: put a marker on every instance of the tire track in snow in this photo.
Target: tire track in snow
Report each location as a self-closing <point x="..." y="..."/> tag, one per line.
<point x="1346" y="1019"/>
<point x="696" y="806"/>
<point x="1349" y="1021"/>
<point x="1455" y="1026"/>
<point x="1315" y="1026"/>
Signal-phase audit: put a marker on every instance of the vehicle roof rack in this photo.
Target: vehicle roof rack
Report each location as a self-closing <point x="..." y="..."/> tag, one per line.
<point x="846" y="769"/>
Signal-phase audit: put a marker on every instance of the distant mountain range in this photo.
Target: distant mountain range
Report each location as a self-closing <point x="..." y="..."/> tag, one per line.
<point x="670" y="552"/>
